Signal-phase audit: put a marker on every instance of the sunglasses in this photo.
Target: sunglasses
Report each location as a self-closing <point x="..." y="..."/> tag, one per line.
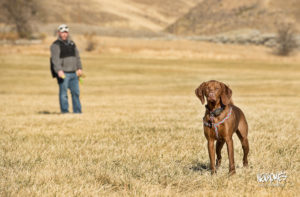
<point x="66" y="27"/>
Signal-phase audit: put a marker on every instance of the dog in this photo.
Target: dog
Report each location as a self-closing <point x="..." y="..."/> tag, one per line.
<point x="222" y="118"/>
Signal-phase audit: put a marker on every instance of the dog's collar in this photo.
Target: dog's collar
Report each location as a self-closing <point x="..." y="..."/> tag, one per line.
<point x="216" y="112"/>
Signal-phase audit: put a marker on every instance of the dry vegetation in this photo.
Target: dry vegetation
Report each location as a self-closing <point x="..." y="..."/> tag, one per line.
<point x="141" y="131"/>
<point x="286" y="39"/>
<point x="214" y="16"/>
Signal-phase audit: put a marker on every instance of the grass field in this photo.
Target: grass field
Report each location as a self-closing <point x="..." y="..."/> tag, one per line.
<point x="141" y="132"/>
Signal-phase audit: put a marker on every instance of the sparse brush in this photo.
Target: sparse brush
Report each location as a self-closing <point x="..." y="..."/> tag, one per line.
<point x="91" y="42"/>
<point x="11" y="36"/>
<point x="286" y="40"/>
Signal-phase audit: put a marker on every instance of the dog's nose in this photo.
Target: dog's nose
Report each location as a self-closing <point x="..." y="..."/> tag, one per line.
<point x="211" y="94"/>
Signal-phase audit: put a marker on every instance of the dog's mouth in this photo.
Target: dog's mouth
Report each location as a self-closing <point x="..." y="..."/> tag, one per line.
<point x="212" y="100"/>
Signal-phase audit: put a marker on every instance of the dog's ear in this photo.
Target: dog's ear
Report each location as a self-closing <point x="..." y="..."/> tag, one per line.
<point x="226" y="94"/>
<point x="200" y="92"/>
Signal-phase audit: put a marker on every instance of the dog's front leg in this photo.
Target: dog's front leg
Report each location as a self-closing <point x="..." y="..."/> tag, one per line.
<point x="211" y="152"/>
<point x="219" y="147"/>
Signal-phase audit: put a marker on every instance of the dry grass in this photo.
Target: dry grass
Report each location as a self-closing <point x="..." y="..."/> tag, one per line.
<point x="141" y="131"/>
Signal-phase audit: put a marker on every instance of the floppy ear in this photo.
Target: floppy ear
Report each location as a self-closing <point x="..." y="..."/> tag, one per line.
<point x="200" y="92"/>
<point x="226" y="94"/>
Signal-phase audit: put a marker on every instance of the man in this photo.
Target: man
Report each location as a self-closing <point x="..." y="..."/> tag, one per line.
<point x="66" y="67"/>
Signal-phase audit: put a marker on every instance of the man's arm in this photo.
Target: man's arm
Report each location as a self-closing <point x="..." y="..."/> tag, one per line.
<point x="55" y="53"/>
<point x="78" y="64"/>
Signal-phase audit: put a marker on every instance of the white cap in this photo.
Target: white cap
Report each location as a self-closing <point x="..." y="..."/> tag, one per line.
<point x="63" y="28"/>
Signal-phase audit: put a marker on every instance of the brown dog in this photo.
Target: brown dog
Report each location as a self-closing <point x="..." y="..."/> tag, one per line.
<point x="220" y="121"/>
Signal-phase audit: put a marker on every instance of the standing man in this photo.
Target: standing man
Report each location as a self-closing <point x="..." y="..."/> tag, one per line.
<point x="66" y="67"/>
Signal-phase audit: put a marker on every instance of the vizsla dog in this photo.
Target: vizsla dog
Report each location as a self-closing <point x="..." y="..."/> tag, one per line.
<point x="220" y="121"/>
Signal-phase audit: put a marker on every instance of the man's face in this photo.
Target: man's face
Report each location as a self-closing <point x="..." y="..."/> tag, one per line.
<point x="63" y="35"/>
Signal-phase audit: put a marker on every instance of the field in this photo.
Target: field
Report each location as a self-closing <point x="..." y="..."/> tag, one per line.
<point x="141" y="132"/>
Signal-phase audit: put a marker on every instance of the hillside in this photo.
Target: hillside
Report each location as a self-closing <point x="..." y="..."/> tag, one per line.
<point x="215" y="16"/>
<point x="152" y="15"/>
<point x="180" y="17"/>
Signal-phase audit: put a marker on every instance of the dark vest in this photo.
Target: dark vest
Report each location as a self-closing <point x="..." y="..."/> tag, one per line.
<point x="66" y="50"/>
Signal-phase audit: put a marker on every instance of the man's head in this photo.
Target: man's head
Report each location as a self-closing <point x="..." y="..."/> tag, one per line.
<point x="63" y="32"/>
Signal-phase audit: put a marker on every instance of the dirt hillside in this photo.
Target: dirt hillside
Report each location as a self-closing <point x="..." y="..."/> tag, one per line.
<point x="215" y="16"/>
<point x="152" y="15"/>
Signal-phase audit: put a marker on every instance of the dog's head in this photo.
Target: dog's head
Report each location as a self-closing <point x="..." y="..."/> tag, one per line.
<point x="215" y="92"/>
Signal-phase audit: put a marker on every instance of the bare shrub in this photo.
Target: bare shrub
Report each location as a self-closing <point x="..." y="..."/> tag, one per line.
<point x="91" y="41"/>
<point x="286" y="39"/>
<point x="21" y="14"/>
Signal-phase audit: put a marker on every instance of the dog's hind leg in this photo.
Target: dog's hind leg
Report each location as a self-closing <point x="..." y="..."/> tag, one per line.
<point x="245" y="145"/>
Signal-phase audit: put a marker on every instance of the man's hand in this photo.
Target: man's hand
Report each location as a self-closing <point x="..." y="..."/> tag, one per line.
<point x="61" y="74"/>
<point x="79" y="72"/>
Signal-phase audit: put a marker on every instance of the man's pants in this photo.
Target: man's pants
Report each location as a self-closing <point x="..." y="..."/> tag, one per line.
<point x="71" y="82"/>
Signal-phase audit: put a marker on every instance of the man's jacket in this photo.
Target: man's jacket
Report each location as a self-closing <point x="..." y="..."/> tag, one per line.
<point x="64" y="56"/>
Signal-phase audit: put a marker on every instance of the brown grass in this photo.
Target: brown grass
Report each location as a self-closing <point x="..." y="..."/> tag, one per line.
<point x="141" y="133"/>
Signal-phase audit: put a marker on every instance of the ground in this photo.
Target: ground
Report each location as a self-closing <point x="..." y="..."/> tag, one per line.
<point x="141" y="131"/>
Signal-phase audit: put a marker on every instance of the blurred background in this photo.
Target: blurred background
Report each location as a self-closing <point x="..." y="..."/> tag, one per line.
<point x="141" y="131"/>
<point x="256" y="22"/>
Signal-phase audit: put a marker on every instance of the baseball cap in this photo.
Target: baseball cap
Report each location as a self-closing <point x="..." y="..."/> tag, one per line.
<point x="63" y="28"/>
